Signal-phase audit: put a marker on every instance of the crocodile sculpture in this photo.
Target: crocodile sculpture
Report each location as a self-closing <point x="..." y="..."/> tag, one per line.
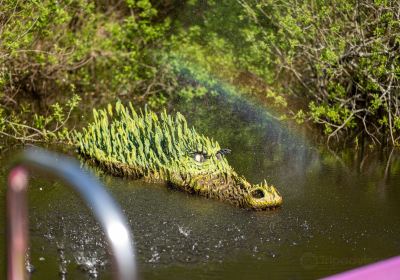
<point x="163" y="148"/>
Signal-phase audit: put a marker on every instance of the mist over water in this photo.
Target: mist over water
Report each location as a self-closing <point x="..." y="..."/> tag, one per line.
<point x="339" y="211"/>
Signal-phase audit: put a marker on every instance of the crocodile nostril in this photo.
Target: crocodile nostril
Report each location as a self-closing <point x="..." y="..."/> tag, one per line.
<point x="257" y="193"/>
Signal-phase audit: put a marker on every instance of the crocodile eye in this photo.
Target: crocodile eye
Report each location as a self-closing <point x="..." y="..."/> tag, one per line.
<point x="199" y="157"/>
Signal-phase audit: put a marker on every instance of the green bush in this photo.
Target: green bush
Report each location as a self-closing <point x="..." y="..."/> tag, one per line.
<point x="342" y="56"/>
<point x="339" y="59"/>
<point x="49" y="47"/>
<point x="27" y="126"/>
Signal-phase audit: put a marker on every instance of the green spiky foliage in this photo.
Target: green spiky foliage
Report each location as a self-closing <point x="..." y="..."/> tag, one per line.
<point x="163" y="148"/>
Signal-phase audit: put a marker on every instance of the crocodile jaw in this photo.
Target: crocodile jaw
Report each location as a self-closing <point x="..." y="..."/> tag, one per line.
<point x="230" y="188"/>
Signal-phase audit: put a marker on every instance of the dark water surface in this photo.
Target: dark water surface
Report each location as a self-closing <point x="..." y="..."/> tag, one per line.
<point x="340" y="211"/>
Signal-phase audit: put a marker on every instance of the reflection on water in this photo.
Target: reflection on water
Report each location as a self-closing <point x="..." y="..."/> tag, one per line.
<point x="340" y="211"/>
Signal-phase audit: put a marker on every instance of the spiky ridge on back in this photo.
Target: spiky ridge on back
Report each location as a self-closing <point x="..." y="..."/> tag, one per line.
<point x="128" y="143"/>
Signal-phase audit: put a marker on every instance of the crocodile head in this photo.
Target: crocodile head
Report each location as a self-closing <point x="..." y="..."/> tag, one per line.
<point x="205" y="170"/>
<point x="163" y="148"/>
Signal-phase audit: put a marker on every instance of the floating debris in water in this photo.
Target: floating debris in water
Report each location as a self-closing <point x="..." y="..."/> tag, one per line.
<point x="90" y="264"/>
<point x="155" y="256"/>
<point x="305" y="225"/>
<point x="219" y="245"/>
<point x="62" y="268"/>
<point x="28" y="265"/>
<point x="272" y="254"/>
<point x="184" y="231"/>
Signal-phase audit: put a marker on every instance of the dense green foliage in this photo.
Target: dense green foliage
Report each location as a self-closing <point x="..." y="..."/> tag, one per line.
<point x="343" y="56"/>
<point x="332" y="63"/>
<point x="77" y="45"/>
<point x="27" y="126"/>
<point x="341" y="59"/>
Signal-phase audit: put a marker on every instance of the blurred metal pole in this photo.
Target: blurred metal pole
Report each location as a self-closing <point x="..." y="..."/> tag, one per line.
<point x="105" y="210"/>
<point x="17" y="223"/>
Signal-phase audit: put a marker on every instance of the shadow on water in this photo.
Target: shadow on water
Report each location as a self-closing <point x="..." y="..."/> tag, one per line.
<point x="339" y="212"/>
